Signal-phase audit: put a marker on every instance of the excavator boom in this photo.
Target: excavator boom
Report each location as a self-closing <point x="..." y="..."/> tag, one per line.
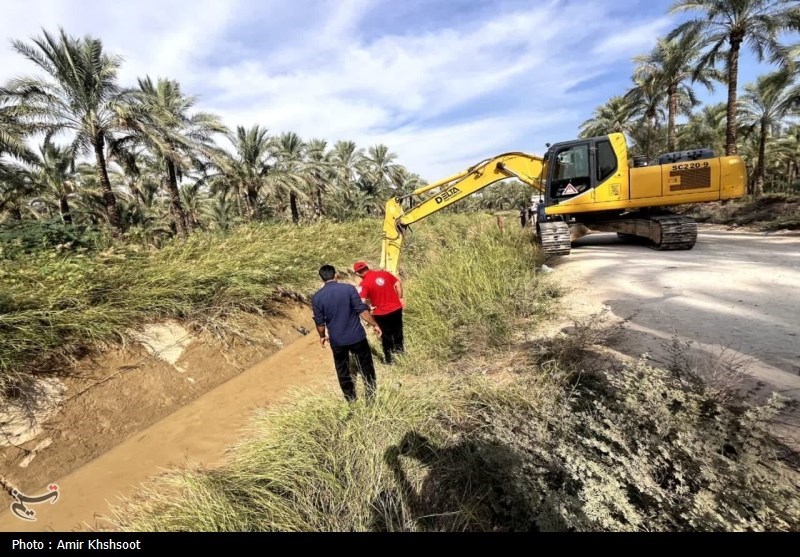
<point x="527" y="168"/>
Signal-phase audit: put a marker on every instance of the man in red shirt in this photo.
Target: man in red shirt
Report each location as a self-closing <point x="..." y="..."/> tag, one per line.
<point x="385" y="294"/>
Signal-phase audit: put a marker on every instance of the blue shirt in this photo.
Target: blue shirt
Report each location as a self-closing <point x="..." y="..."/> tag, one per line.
<point x="338" y="306"/>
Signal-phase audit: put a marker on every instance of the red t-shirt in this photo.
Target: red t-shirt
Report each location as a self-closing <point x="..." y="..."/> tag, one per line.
<point x="378" y="287"/>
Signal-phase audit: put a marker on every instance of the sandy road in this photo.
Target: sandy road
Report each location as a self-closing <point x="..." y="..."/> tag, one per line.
<point x="737" y="292"/>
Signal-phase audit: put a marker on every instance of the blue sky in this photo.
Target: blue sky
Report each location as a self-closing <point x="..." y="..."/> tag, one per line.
<point x="444" y="83"/>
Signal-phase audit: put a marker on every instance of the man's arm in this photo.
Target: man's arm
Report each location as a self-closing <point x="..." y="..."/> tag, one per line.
<point x="398" y="288"/>
<point x="367" y="316"/>
<point x="357" y="304"/>
<point x="364" y="294"/>
<point x="319" y="321"/>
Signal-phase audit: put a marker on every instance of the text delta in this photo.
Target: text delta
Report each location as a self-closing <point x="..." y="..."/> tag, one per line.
<point x="447" y="194"/>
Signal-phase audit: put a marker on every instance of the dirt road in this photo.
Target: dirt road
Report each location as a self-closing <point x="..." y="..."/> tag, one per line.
<point x="735" y="291"/>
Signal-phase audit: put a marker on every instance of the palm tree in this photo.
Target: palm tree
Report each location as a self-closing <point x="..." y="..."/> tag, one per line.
<point x="646" y="140"/>
<point x="348" y="163"/>
<point x="781" y="158"/>
<point x="54" y="176"/>
<point x="79" y="92"/>
<point x="158" y="119"/>
<point x="669" y="68"/>
<point x="319" y="172"/>
<point x="249" y="167"/>
<point x="15" y="189"/>
<point x="646" y="100"/>
<point x="289" y="173"/>
<point x="763" y="107"/>
<point x="221" y="213"/>
<point x="406" y="182"/>
<point x="790" y="151"/>
<point x="13" y="131"/>
<point x="705" y="129"/>
<point x="756" y="23"/>
<point x="616" y="115"/>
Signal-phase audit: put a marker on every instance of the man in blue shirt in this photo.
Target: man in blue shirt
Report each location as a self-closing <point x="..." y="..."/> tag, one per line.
<point x="339" y="309"/>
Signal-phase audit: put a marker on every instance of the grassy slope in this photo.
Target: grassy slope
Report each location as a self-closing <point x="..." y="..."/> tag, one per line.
<point x="54" y="305"/>
<point x="477" y="431"/>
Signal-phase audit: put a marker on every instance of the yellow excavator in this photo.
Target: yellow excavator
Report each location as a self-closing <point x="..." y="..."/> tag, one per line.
<point x="587" y="184"/>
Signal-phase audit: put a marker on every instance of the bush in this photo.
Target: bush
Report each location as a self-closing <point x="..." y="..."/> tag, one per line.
<point x="654" y="455"/>
<point x="19" y="238"/>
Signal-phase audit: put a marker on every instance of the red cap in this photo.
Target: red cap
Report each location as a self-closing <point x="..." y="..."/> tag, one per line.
<point x="359" y="266"/>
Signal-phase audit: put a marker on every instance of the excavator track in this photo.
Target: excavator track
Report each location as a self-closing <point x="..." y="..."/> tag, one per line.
<point x="678" y="232"/>
<point x="555" y="238"/>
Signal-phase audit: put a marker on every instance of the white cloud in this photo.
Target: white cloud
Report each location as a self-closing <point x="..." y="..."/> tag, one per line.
<point x="156" y="37"/>
<point x="635" y="40"/>
<point x="441" y="99"/>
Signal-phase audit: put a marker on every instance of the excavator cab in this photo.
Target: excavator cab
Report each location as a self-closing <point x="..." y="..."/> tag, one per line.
<point x="576" y="168"/>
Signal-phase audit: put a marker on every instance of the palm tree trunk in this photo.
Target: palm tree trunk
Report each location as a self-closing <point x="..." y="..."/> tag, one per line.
<point x="63" y="206"/>
<point x="252" y="202"/>
<point x="733" y="81"/>
<point x="320" y="209"/>
<point x="672" y="93"/>
<point x="239" y="196"/>
<point x="762" y="148"/>
<point x="108" y="194"/>
<point x="293" y="205"/>
<point x="175" y="197"/>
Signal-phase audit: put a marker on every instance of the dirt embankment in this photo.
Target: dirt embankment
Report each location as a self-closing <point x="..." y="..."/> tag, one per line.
<point x="111" y="401"/>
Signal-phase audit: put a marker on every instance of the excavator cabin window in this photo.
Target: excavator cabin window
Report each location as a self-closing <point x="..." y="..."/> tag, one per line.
<point x="606" y="160"/>
<point x="577" y="167"/>
<point x="571" y="173"/>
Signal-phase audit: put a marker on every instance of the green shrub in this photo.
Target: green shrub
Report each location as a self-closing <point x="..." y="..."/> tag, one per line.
<point x="20" y="238"/>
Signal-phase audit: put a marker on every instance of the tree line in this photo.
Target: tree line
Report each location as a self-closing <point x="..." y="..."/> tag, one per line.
<point x="143" y="162"/>
<point x="760" y="125"/>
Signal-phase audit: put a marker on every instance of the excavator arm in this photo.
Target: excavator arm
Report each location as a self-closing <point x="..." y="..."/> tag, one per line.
<point x="527" y="168"/>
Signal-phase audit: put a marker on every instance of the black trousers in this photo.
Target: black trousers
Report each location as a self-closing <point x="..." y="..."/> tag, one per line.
<point x="363" y="357"/>
<point x="392" y="339"/>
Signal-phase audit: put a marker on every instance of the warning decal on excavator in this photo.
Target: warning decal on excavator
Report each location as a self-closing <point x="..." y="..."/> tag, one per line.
<point x="569" y="190"/>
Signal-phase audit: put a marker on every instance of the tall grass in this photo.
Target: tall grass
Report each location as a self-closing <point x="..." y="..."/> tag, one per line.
<point x="471" y="287"/>
<point x="53" y="305"/>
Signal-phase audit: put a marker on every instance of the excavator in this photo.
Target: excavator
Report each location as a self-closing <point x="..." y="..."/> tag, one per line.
<point x="586" y="185"/>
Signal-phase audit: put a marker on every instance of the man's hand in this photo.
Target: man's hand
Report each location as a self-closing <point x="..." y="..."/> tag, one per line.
<point x="323" y="340"/>
<point x="402" y="303"/>
<point x="378" y="332"/>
